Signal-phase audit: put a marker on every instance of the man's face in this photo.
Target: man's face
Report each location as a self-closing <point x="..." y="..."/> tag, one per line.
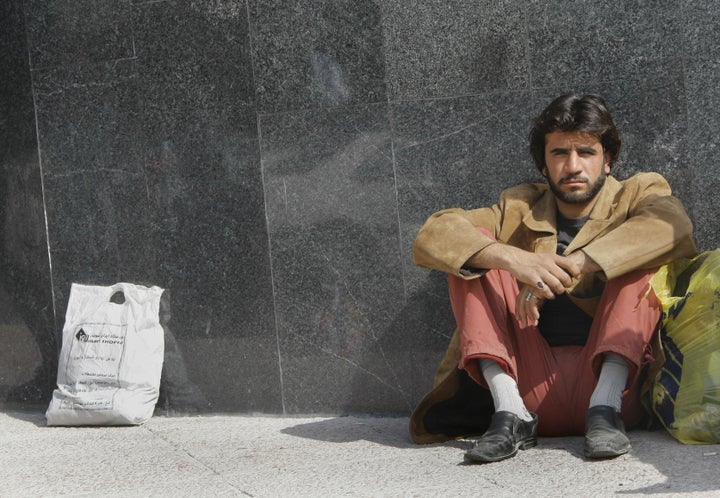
<point x="576" y="167"/>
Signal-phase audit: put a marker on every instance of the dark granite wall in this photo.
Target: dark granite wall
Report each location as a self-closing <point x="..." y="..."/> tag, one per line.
<point x="28" y="362"/>
<point x="268" y="162"/>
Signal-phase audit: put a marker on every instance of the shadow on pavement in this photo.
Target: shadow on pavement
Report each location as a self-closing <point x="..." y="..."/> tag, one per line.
<point x="688" y="468"/>
<point x="383" y="431"/>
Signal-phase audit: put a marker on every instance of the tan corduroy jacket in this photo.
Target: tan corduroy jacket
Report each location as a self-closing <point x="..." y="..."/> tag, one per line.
<point x="635" y="224"/>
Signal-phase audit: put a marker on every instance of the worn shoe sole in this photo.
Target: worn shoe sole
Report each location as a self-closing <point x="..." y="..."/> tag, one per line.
<point x="605" y="451"/>
<point x="605" y="435"/>
<point x="525" y="444"/>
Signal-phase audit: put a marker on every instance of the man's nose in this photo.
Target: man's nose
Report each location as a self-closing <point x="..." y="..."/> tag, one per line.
<point x="573" y="162"/>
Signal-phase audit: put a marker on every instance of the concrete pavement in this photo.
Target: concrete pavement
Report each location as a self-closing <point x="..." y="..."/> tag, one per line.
<point x="346" y="456"/>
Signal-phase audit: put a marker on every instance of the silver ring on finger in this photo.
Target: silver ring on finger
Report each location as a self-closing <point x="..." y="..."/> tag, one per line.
<point x="528" y="296"/>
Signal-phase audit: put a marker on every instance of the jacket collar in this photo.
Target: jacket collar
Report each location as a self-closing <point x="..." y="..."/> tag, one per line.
<point x="542" y="217"/>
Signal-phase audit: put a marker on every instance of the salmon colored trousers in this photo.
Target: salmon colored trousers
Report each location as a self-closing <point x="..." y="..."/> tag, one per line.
<point x="556" y="382"/>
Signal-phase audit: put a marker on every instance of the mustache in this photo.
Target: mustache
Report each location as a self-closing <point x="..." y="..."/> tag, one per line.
<point x="573" y="178"/>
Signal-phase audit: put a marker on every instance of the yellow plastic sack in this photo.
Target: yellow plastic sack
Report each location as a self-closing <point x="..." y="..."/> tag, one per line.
<point x="686" y="392"/>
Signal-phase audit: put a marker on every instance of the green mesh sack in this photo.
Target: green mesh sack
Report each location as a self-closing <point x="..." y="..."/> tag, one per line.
<point x="686" y="392"/>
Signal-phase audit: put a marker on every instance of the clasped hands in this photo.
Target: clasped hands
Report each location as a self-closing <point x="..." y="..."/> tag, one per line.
<point x="539" y="276"/>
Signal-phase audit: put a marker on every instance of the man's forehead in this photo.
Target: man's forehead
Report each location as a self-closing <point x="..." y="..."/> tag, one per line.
<point x="570" y="139"/>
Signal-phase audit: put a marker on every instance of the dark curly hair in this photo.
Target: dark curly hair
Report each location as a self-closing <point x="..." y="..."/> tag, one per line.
<point x="570" y="112"/>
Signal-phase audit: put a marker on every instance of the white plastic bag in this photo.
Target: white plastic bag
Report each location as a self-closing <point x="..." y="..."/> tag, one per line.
<point x="111" y="356"/>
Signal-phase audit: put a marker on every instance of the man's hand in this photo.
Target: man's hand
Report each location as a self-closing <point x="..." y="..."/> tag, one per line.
<point x="527" y="306"/>
<point x="558" y="272"/>
<point x="529" y="301"/>
<point x="584" y="262"/>
<point x="540" y="276"/>
<point x="546" y="274"/>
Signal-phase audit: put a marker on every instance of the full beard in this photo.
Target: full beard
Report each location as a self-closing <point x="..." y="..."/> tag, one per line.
<point x="577" y="197"/>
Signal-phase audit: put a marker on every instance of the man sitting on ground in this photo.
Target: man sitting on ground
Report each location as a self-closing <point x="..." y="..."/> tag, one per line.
<point x="550" y="292"/>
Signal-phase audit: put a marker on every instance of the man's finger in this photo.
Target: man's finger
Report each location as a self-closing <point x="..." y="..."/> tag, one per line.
<point x="533" y="314"/>
<point x="563" y="278"/>
<point x="568" y="265"/>
<point x="551" y="286"/>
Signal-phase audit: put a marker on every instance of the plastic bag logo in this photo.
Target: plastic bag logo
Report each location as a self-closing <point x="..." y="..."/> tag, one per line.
<point x="104" y="336"/>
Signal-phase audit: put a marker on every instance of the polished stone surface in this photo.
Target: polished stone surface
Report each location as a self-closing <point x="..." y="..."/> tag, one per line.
<point x="65" y="32"/>
<point x="701" y="36"/>
<point x="437" y="49"/>
<point x="269" y="163"/>
<point x="458" y="152"/>
<point x="703" y="144"/>
<point x="586" y="41"/>
<point x="317" y="53"/>
<point x="95" y="195"/>
<point x="200" y="155"/>
<point x="332" y="215"/>
<point x="27" y="330"/>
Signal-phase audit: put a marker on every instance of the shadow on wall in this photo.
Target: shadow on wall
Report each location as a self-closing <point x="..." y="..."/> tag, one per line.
<point x="21" y="359"/>
<point x="176" y="388"/>
<point x="411" y="346"/>
<point x="28" y="373"/>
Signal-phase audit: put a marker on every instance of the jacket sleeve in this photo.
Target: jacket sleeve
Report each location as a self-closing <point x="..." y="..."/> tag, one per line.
<point x="449" y="237"/>
<point x="656" y="231"/>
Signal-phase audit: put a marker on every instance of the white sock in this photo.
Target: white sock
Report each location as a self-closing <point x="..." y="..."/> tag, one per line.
<point x="611" y="383"/>
<point x="504" y="389"/>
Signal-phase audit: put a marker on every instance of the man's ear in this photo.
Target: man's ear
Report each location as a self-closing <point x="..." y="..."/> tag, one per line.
<point x="544" y="172"/>
<point x="607" y="166"/>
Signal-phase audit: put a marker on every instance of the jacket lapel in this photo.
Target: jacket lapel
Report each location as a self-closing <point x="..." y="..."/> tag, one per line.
<point x="541" y="222"/>
<point x="542" y="219"/>
<point x="600" y="216"/>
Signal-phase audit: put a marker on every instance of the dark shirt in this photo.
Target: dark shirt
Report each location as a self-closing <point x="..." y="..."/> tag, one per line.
<point x="561" y="322"/>
<point x="567" y="229"/>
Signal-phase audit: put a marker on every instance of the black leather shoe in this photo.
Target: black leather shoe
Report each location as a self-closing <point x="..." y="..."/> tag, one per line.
<point x="507" y="433"/>
<point x="605" y="433"/>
